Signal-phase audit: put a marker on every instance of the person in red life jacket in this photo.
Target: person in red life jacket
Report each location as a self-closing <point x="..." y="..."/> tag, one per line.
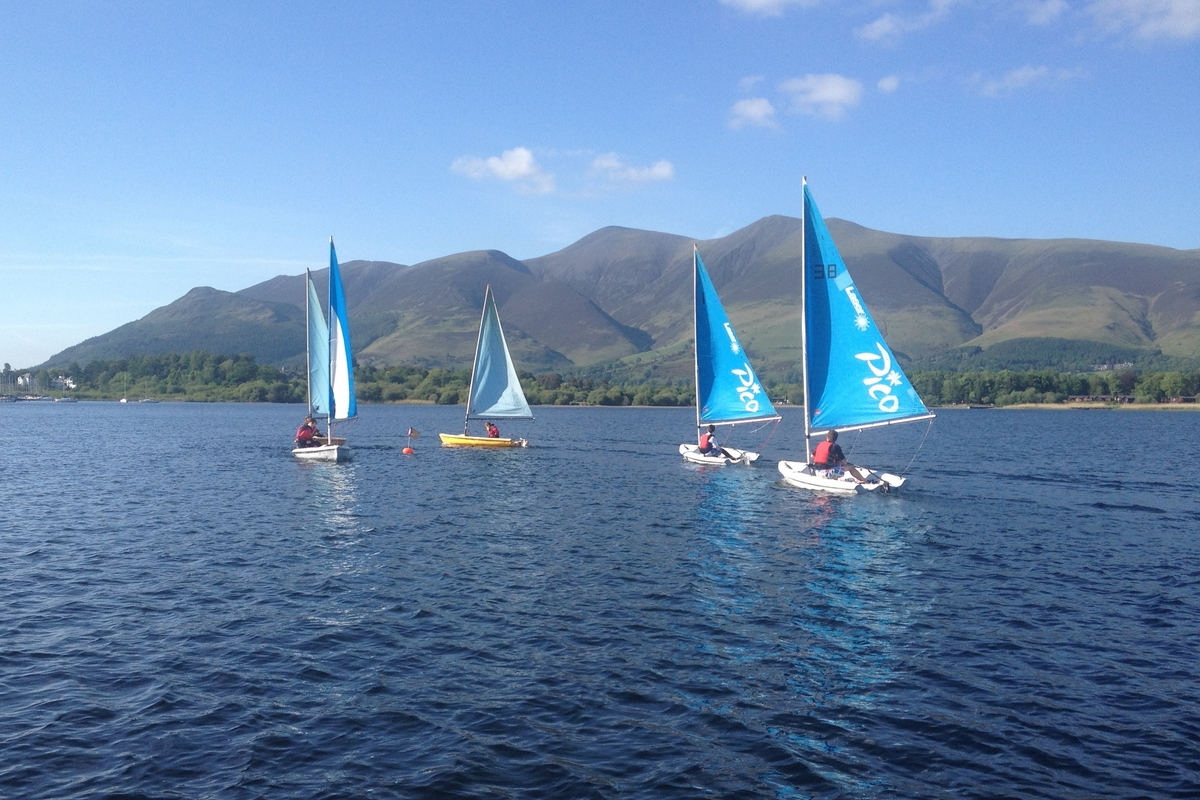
<point x="306" y="434"/>
<point x="828" y="455"/>
<point x="492" y="430"/>
<point x="708" y="443"/>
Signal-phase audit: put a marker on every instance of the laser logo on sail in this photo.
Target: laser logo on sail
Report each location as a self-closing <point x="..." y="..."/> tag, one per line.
<point x="734" y="347"/>
<point x="861" y="320"/>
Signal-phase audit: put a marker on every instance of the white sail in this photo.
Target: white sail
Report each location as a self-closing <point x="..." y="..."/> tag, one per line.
<point x="495" y="388"/>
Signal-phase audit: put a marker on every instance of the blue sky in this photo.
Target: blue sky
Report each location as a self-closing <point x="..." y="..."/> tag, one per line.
<point x="147" y="148"/>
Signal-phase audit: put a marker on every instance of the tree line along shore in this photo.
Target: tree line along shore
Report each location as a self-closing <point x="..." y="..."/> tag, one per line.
<point x="208" y="377"/>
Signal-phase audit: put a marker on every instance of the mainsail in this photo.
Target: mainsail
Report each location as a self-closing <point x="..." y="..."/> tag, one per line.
<point x="495" y="389"/>
<point x="727" y="390"/>
<point x="319" y="397"/>
<point x="852" y="379"/>
<point x="341" y="365"/>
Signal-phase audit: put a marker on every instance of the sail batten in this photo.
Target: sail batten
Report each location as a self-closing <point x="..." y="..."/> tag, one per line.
<point x="495" y="391"/>
<point x="852" y="379"/>
<point x="727" y="389"/>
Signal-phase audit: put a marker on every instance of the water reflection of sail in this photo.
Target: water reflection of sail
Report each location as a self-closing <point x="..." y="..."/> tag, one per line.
<point x="338" y="490"/>
<point x="848" y="609"/>
<point x="730" y="504"/>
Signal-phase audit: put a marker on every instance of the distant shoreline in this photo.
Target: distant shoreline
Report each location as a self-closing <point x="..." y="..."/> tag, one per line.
<point x="1078" y="407"/>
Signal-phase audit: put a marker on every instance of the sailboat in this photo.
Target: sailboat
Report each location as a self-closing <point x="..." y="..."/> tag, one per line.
<point x="727" y="390"/>
<point x="495" y="391"/>
<point x="851" y="379"/>
<point x="330" y="369"/>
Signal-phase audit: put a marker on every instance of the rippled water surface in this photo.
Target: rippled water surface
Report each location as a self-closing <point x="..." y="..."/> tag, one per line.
<point x="188" y="612"/>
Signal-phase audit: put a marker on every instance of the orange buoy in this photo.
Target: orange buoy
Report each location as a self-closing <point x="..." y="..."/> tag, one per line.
<point x="408" y="451"/>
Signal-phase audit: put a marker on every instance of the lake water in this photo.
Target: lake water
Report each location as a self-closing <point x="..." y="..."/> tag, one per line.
<point x="189" y="612"/>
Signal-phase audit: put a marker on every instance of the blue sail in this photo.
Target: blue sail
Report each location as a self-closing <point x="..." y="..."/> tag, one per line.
<point x="341" y="364"/>
<point x="319" y="396"/>
<point x="495" y="388"/>
<point x="727" y="390"/>
<point x="853" y="379"/>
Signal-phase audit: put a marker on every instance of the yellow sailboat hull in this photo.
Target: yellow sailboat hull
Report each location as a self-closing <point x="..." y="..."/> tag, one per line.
<point x="459" y="440"/>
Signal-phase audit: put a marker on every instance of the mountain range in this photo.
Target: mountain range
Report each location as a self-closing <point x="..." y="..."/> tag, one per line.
<point x="621" y="299"/>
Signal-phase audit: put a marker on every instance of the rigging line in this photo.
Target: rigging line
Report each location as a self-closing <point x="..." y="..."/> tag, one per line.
<point x="854" y="444"/>
<point x="928" y="428"/>
<point x="769" y="435"/>
<point x="734" y="425"/>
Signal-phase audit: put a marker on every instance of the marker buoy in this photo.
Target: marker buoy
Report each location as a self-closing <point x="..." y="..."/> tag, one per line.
<point x="408" y="451"/>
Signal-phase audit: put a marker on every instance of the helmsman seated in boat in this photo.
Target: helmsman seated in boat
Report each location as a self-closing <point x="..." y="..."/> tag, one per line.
<point x="308" y="433"/>
<point x="828" y="455"/>
<point x="708" y="443"/>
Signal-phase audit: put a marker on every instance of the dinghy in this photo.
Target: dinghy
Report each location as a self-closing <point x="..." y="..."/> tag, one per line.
<point x="727" y="390"/>
<point x="330" y="370"/>
<point x="495" y="391"/>
<point x="851" y="379"/>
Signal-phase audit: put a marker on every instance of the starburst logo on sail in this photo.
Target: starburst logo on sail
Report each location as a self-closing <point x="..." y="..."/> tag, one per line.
<point x="861" y="322"/>
<point x="734" y="347"/>
<point x="888" y="402"/>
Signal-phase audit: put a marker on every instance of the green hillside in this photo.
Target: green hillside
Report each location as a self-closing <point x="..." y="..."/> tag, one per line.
<point x="619" y="302"/>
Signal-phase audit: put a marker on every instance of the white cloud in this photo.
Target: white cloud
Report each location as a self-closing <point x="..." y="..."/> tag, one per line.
<point x="822" y="95"/>
<point x="1043" y="12"/>
<point x="892" y="25"/>
<point x="766" y="8"/>
<point x="1148" y="19"/>
<point x="756" y="111"/>
<point x="1023" y="78"/>
<point x="518" y="166"/>
<point x="888" y="84"/>
<point x="749" y="82"/>
<point x="610" y="167"/>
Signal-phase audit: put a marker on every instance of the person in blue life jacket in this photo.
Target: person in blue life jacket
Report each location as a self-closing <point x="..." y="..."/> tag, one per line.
<point x="708" y="443"/>
<point x="828" y="455"/>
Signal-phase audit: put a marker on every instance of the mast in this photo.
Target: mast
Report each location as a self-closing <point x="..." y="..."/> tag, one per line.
<point x="329" y="302"/>
<point x="475" y="362"/>
<point x="696" y="328"/>
<point x="307" y="333"/>
<point x="803" y="311"/>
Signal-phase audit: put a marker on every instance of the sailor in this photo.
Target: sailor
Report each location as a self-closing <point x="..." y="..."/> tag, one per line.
<point x="306" y="434"/>
<point x="492" y="430"/>
<point x="828" y="455"/>
<point x="708" y="443"/>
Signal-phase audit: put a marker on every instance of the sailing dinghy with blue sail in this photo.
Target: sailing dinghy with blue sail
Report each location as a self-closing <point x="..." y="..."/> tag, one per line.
<point x="330" y="368"/>
<point x="727" y="390"/>
<point x="495" y="391"/>
<point x="851" y="379"/>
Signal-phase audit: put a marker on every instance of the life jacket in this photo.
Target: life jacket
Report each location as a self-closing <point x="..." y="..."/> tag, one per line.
<point x="493" y="432"/>
<point x="821" y="454"/>
<point x="305" y="433"/>
<point x="705" y="440"/>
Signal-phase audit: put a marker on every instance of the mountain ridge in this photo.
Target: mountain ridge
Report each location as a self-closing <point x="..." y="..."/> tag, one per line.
<point x="622" y="296"/>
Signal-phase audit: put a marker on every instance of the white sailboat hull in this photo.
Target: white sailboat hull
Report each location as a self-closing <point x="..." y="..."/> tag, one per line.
<point x="805" y="476"/>
<point x="325" y="452"/>
<point x="691" y="452"/>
